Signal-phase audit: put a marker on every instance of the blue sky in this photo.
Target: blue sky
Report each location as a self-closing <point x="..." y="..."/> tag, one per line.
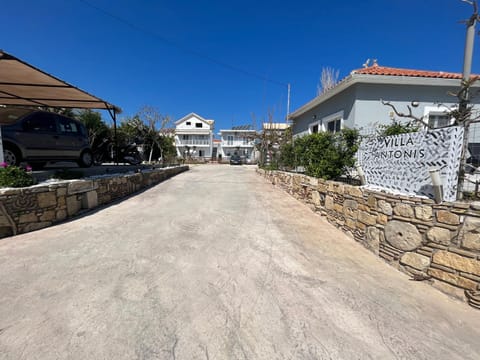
<point x="149" y="57"/>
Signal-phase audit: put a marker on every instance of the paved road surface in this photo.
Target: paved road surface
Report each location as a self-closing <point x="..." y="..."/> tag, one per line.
<point x="216" y="264"/>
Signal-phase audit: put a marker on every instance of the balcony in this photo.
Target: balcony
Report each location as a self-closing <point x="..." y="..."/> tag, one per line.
<point x="192" y="142"/>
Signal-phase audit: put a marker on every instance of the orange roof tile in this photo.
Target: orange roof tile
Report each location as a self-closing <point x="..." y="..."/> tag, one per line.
<point x="383" y="70"/>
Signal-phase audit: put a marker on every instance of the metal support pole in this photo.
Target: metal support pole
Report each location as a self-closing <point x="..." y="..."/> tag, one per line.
<point x="115" y="139"/>
<point x="464" y="95"/>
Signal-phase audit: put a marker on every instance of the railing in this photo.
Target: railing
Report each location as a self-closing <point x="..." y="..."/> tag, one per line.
<point x="237" y="143"/>
<point x="192" y="142"/>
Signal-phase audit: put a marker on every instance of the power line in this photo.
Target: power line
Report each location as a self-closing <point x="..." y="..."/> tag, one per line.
<point x="182" y="47"/>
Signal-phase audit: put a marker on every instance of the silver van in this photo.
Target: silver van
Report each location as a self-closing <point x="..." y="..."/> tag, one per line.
<point x="37" y="137"/>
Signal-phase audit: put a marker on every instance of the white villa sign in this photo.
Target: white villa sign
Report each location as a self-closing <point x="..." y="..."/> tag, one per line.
<point x="402" y="162"/>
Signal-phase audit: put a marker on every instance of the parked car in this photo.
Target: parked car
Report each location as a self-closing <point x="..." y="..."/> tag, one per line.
<point x="235" y="160"/>
<point x="37" y="137"/>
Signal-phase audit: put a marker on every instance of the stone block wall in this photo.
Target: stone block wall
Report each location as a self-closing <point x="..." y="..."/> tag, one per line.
<point x="27" y="209"/>
<point x="438" y="243"/>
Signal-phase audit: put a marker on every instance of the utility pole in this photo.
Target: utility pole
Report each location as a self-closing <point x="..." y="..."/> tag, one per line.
<point x="288" y="101"/>
<point x="464" y="94"/>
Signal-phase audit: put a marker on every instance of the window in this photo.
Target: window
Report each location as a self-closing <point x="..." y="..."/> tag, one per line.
<point x="188" y="123"/>
<point x="201" y="152"/>
<point x="229" y="139"/>
<point x="334" y="125"/>
<point x="245" y="141"/>
<point x="198" y="125"/>
<point x="68" y="126"/>
<point x="185" y="137"/>
<point x="40" y="122"/>
<point x="438" y="120"/>
<point x="315" y="129"/>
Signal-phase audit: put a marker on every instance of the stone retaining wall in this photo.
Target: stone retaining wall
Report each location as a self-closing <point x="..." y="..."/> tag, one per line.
<point x="27" y="209"/>
<point x="438" y="243"/>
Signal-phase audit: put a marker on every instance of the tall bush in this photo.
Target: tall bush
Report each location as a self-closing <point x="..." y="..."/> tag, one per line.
<point x="323" y="155"/>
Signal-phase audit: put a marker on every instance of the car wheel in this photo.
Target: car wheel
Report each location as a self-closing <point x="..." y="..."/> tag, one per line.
<point x="11" y="155"/>
<point x="86" y="159"/>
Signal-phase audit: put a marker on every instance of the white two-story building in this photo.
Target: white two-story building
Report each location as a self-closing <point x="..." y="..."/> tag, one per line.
<point x="240" y="140"/>
<point x="194" y="137"/>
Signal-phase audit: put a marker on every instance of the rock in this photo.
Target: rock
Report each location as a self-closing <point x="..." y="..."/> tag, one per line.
<point x="423" y="213"/>
<point x="372" y="202"/>
<point x="453" y="279"/>
<point x="470" y="234"/>
<point x="384" y="207"/>
<point x="403" y="210"/>
<point x="366" y="218"/>
<point x="316" y="198"/>
<point x="447" y="217"/>
<point x="471" y="241"/>
<point x="28" y="218"/>
<point x="373" y="239"/>
<point x="354" y="191"/>
<point x="350" y="223"/>
<point x="402" y="235"/>
<point x="89" y="200"/>
<point x="439" y="235"/>
<point x="416" y="261"/>
<point x="48" y="215"/>
<point x="35" y="226"/>
<point x="73" y="205"/>
<point x="61" y="215"/>
<point x="329" y="204"/>
<point x="382" y="219"/>
<point x="457" y="262"/>
<point x="47" y="199"/>
<point x="79" y="186"/>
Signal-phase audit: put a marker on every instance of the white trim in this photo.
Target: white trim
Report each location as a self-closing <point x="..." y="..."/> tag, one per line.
<point x="353" y="79"/>
<point x="311" y="125"/>
<point x="436" y="110"/>
<point x="333" y="117"/>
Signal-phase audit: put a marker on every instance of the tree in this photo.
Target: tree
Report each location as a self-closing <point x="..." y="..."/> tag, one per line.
<point x="96" y="127"/>
<point x="154" y="124"/>
<point x="147" y="127"/>
<point x="328" y="80"/>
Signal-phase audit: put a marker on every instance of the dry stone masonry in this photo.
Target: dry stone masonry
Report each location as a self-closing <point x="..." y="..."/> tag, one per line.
<point x="438" y="243"/>
<point x="27" y="209"/>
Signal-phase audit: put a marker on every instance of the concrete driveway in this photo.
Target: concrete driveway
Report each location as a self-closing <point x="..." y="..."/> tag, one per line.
<point x="216" y="264"/>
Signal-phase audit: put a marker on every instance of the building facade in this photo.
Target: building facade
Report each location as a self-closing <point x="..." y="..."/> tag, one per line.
<point x="356" y="101"/>
<point x="194" y="137"/>
<point x="240" y="141"/>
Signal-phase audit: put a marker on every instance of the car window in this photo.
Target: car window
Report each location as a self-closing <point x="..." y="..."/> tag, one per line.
<point x="12" y="115"/>
<point x="40" y="122"/>
<point x="68" y="126"/>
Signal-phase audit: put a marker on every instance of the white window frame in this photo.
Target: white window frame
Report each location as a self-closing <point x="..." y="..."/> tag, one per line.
<point x="333" y="117"/>
<point x="311" y="125"/>
<point x="436" y="110"/>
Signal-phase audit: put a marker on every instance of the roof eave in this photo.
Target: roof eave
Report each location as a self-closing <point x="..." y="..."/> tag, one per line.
<point x="353" y="79"/>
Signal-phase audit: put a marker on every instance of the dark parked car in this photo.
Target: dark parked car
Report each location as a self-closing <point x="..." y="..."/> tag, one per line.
<point x="235" y="160"/>
<point x="39" y="136"/>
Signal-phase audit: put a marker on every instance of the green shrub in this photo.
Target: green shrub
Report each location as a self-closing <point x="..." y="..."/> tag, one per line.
<point x="323" y="155"/>
<point x="13" y="176"/>
<point x="67" y="174"/>
<point x="396" y="128"/>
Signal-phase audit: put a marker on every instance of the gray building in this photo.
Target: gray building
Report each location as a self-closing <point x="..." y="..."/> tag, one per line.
<point x="355" y="102"/>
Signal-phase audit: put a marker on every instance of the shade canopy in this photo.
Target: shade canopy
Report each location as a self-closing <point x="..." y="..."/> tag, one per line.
<point x="22" y="84"/>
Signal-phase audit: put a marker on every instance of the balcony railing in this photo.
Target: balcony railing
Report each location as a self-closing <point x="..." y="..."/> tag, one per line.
<point x="192" y="142"/>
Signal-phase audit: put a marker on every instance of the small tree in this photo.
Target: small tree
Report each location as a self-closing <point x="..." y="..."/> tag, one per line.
<point x="328" y="80"/>
<point x="96" y="127"/>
